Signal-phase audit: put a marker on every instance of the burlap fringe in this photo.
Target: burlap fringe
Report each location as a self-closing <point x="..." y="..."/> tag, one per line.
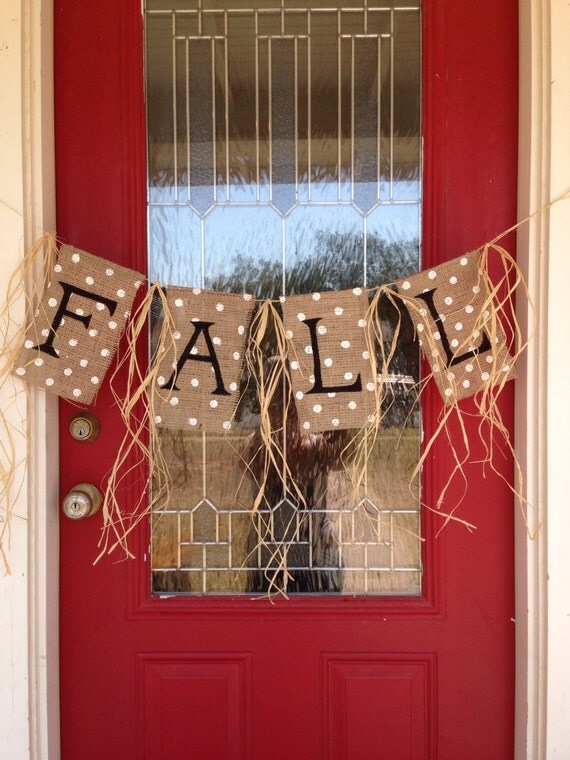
<point x="25" y="287"/>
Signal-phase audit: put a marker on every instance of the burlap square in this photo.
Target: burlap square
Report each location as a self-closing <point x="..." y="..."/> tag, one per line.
<point x="70" y="345"/>
<point x="460" y="336"/>
<point x="200" y="370"/>
<point x="331" y="369"/>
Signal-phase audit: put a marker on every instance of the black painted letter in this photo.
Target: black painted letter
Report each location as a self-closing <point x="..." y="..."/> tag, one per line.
<point x="318" y="387"/>
<point x="187" y="355"/>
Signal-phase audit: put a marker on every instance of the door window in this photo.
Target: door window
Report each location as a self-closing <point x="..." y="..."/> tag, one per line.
<point x="284" y="158"/>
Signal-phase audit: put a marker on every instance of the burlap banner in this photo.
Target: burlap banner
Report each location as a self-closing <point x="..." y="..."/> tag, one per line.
<point x="332" y="375"/>
<point x="78" y="324"/>
<point x="331" y="345"/>
<point x="458" y="327"/>
<point x="201" y="366"/>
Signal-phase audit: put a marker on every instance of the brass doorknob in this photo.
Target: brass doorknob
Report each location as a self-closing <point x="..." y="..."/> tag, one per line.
<point x="81" y="502"/>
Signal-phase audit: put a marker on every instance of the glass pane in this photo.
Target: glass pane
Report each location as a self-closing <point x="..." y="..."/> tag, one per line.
<point x="284" y="158"/>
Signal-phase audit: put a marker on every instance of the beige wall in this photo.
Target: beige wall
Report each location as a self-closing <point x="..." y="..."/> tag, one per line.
<point x="28" y="597"/>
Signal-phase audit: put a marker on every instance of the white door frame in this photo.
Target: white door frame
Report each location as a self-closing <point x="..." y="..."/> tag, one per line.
<point x="29" y="719"/>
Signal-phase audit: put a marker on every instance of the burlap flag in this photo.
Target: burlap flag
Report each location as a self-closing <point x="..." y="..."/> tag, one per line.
<point x="332" y="374"/>
<point x="70" y="345"/>
<point x="199" y="370"/>
<point x="459" y="330"/>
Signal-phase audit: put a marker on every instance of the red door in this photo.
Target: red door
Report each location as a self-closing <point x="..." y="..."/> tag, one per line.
<point x="427" y="675"/>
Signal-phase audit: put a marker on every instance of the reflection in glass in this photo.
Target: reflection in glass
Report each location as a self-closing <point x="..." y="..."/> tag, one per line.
<point x="284" y="158"/>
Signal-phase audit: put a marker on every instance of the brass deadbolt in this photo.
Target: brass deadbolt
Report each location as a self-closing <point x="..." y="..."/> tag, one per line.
<point x="85" y="427"/>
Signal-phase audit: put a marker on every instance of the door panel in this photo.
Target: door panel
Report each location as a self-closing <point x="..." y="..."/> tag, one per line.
<point x="413" y="677"/>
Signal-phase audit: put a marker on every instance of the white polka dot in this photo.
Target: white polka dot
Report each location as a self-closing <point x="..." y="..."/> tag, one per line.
<point x="95" y="380"/>
<point x="476" y="289"/>
<point x="468" y="368"/>
<point x="469" y="309"/>
<point x="109" y="272"/>
<point x="311" y="378"/>
<point x="506" y="368"/>
<point x="92" y="333"/>
<point x="485" y="376"/>
<point x="335" y="422"/>
<point x="331" y="395"/>
<point x="178" y="302"/>
<point x="217" y="341"/>
<point x="348" y="375"/>
<point x="299" y="395"/>
<point x="176" y="335"/>
<point x="83" y="363"/>
<point x="241" y="330"/>
<point x="193" y="351"/>
<point x="420" y="327"/>
<point x="45" y="332"/>
<point x="357" y="291"/>
<point x="158" y="419"/>
<point x="194" y="382"/>
<point x="459" y="326"/>
<point x="213" y="403"/>
<point x="308" y="349"/>
<point x="466" y="383"/>
<point x="99" y="306"/>
<point x="196" y="291"/>
<point x="121" y="293"/>
<point x="453" y="281"/>
<point x="362" y="323"/>
<point x="137" y="284"/>
<point x="105" y="352"/>
<point x="370" y="386"/>
<point x="300" y="316"/>
<point x="448" y="300"/>
<point x="49" y="380"/>
<point x="338" y="310"/>
<point x="289" y="334"/>
<point x="76" y="258"/>
<point x="89" y="280"/>
<point x="126" y="314"/>
<point x="79" y="313"/>
<point x="322" y="330"/>
<point x="317" y="408"/>
<point x="282" y="299"/>
<point x="112" y="325"/>
<point x="406" y="285"/>
<point x="345" y="344"/>
<point x="366" y="354"/>
<point x="39" y="361"/>
<point x="436" y="335"/>
<point x="29" y="344"/>
<point x="294" y="365"/>
<point x="316" y="296"/>
<point x="192" y="421"/>
<point x="57" y="268"/>
<point x="247" y="296"/>
<point x="328" y="362"/>
<point x="432" y="274"/>
<point x="454" y="343"/>
<point x="219" y="307"/>
<point x="52" y="302"/>
<point x="451" y="375"/>
<point x="463" y="261"/>
<point x="448" y="392"/>
<point x="233" y="387"/>
<point x="68" y="371"/>
<point x="352" y="404"/>
<point x="173" y="401"/>
<point x="77" y="392"/>
<point x="20" y="371"/>
<point x="489" y="359"/>
<point x="160" y="380"/>
<point x="306" y="425"/>
<point x="226" y="425"/>
<point x="236" y="355"/>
